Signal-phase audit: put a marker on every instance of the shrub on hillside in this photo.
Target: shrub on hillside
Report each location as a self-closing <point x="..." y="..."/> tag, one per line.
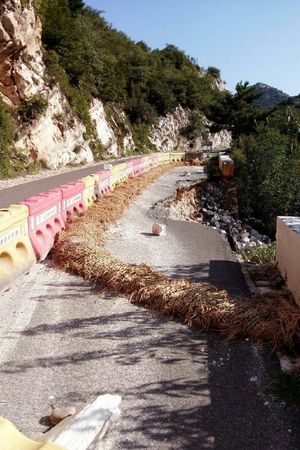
<point x="32" y="108"/>
<point x="6" y="137"/>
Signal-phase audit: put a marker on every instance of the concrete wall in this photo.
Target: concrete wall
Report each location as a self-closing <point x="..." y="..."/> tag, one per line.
<point x="288" y="252"/>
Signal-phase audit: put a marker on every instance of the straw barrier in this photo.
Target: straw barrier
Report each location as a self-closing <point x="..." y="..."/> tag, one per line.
<point x="80" y="249"/>
<point x="47" y="212"/>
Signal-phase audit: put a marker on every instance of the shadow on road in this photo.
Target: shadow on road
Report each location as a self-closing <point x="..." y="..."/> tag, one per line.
<point x="224" y="275"/>
<point x="182" y="389"/>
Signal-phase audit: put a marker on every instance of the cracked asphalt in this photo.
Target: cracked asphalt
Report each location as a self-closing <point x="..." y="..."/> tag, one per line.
<point x="181" y="389"/>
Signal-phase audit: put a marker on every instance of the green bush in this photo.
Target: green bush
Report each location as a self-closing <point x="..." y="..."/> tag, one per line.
<point x="140" y="133"/>
<point x="32" y="108"/>
<point x="267" y="176"/>
<point x="7" y="131"/>
<point x="195" y="127"/>
<point x="265" y="255"/>
<point x="214" y="72"/>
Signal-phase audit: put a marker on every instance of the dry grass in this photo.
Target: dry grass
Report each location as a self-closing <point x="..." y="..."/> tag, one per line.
<point x="80" y="249"/>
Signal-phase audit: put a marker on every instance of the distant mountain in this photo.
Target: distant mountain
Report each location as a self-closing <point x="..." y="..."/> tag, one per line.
<point x="294" y="101"/>
<point x="270" y="96"/>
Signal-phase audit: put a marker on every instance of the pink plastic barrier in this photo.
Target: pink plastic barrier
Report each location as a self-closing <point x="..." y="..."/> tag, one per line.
<point x="130" y="168"/>
<point x="72" y="199"/>
<point x="104" y="185"/>
<point x="137" y="166"/>
<point x="45" y="220"/>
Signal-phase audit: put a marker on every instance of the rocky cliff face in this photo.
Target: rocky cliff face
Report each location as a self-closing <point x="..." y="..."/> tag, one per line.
<point x="165" y="134"/>
<point x="57" y="137"/>
<point x="166" y="137"/>
<point x="22" y="70"/>
<point x="114" y="134"/>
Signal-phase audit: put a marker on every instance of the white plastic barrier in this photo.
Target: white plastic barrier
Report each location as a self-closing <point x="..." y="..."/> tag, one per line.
<point x="288" y="252"/>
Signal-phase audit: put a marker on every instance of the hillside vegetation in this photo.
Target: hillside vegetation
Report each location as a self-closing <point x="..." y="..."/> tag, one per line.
<point x="90" y="58"/>
<point x="266" y="150"/>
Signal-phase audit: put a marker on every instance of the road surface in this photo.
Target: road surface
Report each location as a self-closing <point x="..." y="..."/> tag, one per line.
<point x="20" y="192"/>
<point x="181" y="389"/>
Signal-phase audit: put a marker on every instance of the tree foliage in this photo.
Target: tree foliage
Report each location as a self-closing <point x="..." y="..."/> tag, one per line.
<point x="237" y="112"/>
<point x="99" y="61"/>
<point x="7" y="130"/>
<point x="268" y="170"/>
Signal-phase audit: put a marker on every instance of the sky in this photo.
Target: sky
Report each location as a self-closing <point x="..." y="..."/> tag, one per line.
<point x="248" y="40"/>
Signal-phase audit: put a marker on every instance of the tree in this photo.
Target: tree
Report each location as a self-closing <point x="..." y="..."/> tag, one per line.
<point x="214" y="72"/>
<point x="76" y="5"/>
<point x="237" y="112"/>
<point x="267" y="176"/>
<point x="58" y="30"/>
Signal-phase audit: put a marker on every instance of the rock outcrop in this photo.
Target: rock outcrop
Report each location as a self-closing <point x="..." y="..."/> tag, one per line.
<point x="114" y="134"/>
<point x="57" y="137"/>
<point x="22" y="70"/>
<point x="165" y="134"/>
<point x="220" y="140"/>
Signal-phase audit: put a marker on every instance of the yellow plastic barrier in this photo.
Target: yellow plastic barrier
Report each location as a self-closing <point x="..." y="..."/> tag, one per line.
<point x="163" y="158"/>
<point x="12" y="439"/>
<point x="226" y="166"/>
<point x="118" y="174"/>
<point x="177" y="156"/>
<point x="90" y="186"/>
<point x="16" y="252"/>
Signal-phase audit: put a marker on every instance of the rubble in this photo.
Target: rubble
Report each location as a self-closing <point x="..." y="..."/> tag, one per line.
<point x="213" y="204"/>
<point x="226" y="222"/>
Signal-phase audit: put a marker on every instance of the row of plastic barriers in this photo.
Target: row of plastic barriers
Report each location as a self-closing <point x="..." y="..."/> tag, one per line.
<point x="28" y="230"/>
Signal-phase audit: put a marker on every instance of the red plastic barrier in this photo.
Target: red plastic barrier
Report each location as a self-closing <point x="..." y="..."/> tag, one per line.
<point x="72" y="199"/>
<point x="104" y="185"/>
<point x="45" y="220"/>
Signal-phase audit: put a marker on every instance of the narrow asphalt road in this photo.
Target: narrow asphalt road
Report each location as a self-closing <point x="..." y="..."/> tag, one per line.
<point x="188" y="249"/>
<point x="20" y="192"/>
<point x="180" y="388"/>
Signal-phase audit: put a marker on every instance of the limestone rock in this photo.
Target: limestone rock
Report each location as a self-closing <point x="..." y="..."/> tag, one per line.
<point x="165" y="134"/>
<point x="114" y="134"/>
<point x="21" y="50"/>
<point x="56" y="137"/>
<point x="158" y="229"/>
<point x="104" y="132"/>
<point x="60" y="413"/>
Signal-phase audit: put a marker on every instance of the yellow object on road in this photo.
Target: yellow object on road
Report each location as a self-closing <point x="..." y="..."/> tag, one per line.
<point x="118" y="174"/>
<point x="89" y="193"/>
<point x="177" y="156"/>
<point x="16" y="252"/>
<point x="163" y="158"/>
<point x="13" y="439"/>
